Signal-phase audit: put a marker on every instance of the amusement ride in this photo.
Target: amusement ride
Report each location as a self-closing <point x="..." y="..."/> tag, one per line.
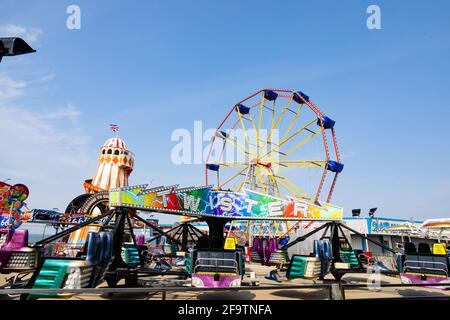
<point x="271" y="170"/>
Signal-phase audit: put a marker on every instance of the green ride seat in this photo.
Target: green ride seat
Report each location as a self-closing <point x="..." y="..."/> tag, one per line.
<point x="349" y="256"/>
<point x="131" y="256"/>
<point x="303" y="267"/>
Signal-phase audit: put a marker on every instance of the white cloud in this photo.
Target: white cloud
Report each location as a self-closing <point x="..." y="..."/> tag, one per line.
<point x="46" y="150"/>
<point x="69" y="112"/>
<point x="10" y="88"/>
<point x="29" y="34"/>
<point x="40" y="131"/>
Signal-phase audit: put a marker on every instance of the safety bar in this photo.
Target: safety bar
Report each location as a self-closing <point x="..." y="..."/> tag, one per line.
<point x="444" y="269"/>
<point x="201" y="262"/>
<point x="405" y="264"/>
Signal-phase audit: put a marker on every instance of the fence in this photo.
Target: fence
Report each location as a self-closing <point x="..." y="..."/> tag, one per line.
<point x="336" y="291"/>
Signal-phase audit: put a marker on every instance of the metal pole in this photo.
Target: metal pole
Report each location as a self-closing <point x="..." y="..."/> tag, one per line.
<point x="373" y="241"/>
<point x="159" y="230"/>
<point x="70" y="230"/>
<point x="10" y="214"/>
<point x="301" y="238"/>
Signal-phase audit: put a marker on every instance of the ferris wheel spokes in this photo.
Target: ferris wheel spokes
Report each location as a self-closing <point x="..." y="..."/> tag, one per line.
<point x="270" y="143"/>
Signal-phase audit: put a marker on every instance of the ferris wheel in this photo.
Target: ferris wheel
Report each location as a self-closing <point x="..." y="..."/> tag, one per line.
<point x="277" y="142"/>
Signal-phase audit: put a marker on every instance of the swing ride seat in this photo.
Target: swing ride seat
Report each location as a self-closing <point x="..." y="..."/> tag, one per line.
<point x="73" y="272"/>
<point x="130" y="255"/>
<point x="322" y="250"/>
<point x="426" y="264"/>
<point x="220" y="261"/>
<point x="316" y="265"/>
<point x="15" y="255"/>
<point x="279" y="257"/>
<point x="302" y="266"/>
<point x="100" y="270"/>
<point x="423" y="267"/>
<point x="349" y="256"/>
<point x="217" y="268"/>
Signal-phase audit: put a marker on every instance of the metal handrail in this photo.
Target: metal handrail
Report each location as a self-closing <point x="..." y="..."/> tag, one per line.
<point x="216" y="260"/>
<point x="166" y="289"/>
<point x="423" y="263"/>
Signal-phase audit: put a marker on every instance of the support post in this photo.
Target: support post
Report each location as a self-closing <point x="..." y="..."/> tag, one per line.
<point x="337" y="292"/>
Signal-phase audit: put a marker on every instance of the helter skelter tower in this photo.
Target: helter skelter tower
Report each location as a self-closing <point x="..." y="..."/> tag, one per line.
<point x="115" y="164"/>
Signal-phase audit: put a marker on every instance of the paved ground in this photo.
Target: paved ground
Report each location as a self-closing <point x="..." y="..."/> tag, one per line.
<point x="368" y="292"/>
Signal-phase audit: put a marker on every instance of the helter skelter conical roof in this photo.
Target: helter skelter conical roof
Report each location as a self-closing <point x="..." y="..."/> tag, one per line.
<point x="115" y="143"/>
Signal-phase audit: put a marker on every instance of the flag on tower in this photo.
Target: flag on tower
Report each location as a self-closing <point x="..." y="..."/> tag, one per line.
<point x="114" y="127"/>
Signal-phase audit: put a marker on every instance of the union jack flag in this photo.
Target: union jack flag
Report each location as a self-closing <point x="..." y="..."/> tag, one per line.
<point x="114" y="127"/>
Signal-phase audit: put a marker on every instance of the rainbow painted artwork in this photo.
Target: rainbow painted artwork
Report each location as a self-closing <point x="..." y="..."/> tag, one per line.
<point x="206" y="201"/>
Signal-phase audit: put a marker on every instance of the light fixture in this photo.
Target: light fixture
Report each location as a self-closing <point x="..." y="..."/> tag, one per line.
<point x="14" y="46"/>
<point x="356" y="212"/>
<point x="372" y="212"/>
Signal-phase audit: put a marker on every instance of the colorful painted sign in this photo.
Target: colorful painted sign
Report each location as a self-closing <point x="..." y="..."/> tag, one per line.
<point x="7" y="196"/>
<point x="205" y="201"/>
<point x="11" y="201"/>
<point x="384" y="226"/>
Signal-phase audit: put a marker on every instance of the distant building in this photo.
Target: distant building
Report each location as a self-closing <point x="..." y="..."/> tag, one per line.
<point x="383" y="231"/>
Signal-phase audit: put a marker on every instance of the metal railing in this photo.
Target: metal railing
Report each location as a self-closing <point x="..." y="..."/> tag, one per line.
<point x="336" y="291"/>
<point x="203" y="263"/>
<point x="426" y="265"/>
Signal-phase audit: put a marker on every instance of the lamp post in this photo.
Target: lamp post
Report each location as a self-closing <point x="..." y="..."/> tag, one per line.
<point x="13" y="46"/>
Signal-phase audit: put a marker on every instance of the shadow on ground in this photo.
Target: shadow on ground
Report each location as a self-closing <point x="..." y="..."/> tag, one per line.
<point x="227" y="295"/>
<point x="353" y="279"/>
<point x="410" y="293"/>
<point x="128" y="296"/>
<point x="317" y="294"/>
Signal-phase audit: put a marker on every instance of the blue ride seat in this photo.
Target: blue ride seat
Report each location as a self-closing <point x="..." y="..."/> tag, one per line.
<point x="327" y="122"/>
<point x="94" y="248"/>
<point x="242" y="109"/>
<point x="213" y="167"/>
<point x="335" y="166"/>
<point x="327" y="256"/>
<point x="104" y="258"/>
<point x="270" y="95"/>
<point x="322" y="250"/>
<point x="300" y="97"/>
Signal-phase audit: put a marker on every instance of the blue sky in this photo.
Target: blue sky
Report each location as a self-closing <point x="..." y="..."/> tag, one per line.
<point x="155" y="66"/>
